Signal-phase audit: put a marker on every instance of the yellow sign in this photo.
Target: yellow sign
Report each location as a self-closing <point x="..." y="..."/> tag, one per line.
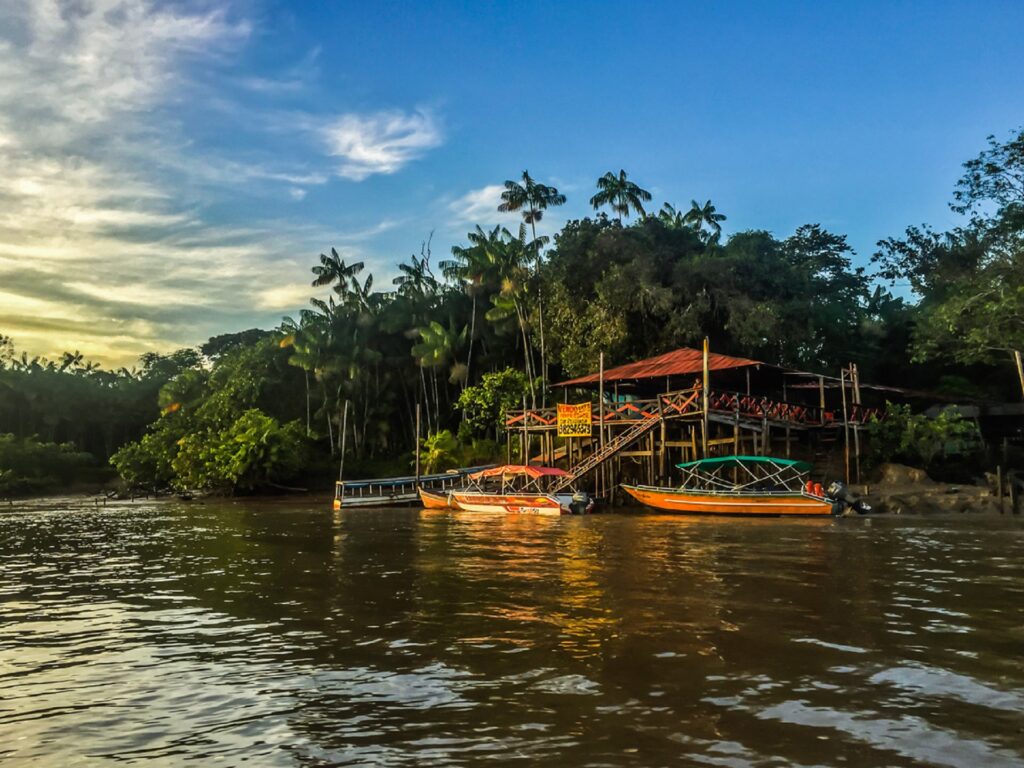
<point x="574" y="420"/>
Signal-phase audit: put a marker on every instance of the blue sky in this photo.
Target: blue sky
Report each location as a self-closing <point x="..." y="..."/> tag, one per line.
<point x="171" y="170"/>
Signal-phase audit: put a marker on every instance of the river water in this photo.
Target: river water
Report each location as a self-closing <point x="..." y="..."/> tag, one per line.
<point x="264" y="634"/>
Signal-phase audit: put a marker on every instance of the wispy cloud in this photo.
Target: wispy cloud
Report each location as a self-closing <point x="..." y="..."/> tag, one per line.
<point x="480" y="206"/>
<point x="380" y="143"/>
<point x="113" y="238"/>
<point x="97" y="250"/>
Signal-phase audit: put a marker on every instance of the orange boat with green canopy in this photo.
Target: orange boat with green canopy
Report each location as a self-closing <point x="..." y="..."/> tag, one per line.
<point x="740" y="485"/>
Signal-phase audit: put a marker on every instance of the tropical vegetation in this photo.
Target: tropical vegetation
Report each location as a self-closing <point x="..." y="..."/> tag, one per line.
<point x="456" y="342"/>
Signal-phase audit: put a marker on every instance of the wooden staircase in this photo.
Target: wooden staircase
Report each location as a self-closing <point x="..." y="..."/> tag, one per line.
<point x="597" y="458"/>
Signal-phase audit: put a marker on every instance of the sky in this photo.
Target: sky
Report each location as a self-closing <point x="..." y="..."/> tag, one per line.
<point x="171" y="171"/>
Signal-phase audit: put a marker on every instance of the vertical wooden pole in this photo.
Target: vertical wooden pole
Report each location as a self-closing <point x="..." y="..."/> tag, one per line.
<point x="525" y="442"/>
<point x="846" y="426"/>
<point x="787" y="442"/>
<point x="600" y="401"/>
<point x="821" y="397"/>
<point x="661" y="452"/>
<point x="417" y="445"/>
<point x="855" y="377"/>
<point x="704" y="430"/>
<point x="1020" y="369"/>
<point x="999" y="487"/>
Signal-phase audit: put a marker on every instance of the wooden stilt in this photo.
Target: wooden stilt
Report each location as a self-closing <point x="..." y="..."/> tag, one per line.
<point x="705" y="384"/>
<point x="1020" y="369"/>
<point x="846" y="426"/>
<point x="821" y="397"/>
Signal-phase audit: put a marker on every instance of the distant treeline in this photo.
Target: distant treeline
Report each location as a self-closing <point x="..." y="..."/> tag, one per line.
<point x="267" y="407"/>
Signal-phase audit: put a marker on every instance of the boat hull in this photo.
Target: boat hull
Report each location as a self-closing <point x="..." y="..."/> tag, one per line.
<point x="517" y="503"/>
<point x="431" y="500"/>
<point x="691" y="502"/>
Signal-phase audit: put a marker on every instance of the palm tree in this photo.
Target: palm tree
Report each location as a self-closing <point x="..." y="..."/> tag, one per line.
<point x="699" y="215"/>
<point x="475" y="268"/>
<point x="333" y="269"/>
<point x="438" y="347"/>
<point x="417" y="280"/>
<point x="532" y="199"/>
<point x="71" y="360"/>
<point x="670" y="217"/>
<point x="620" y="194"/>
<point x="508" y="304"/>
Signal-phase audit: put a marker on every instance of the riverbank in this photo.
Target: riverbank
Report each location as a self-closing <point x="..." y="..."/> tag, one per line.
<point x="906" y="490"/>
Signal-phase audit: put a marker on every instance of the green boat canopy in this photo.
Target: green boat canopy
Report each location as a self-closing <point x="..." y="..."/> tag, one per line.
<point x="718" y="461"/>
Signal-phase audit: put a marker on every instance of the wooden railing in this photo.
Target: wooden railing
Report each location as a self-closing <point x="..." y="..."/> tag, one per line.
<point x="671" y="404"/>
<point x="688" y="402"/>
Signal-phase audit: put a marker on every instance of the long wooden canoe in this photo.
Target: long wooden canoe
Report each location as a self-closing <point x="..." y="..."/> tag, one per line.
<point x="692" y="502"/>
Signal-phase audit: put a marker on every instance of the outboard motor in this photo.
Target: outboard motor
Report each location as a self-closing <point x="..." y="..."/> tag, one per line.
<point x="843" y="498"/>
<point x="580" y="503"/>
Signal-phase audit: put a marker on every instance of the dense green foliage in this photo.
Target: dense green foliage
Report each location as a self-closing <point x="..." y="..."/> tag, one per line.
<point x="484" y="405"/>
<point x="510" y="312"/>
<point x="970" y="280"/>
<point x="232" y="427"/>
<point x="30" y="466"/>
<point x="918" y="440"/>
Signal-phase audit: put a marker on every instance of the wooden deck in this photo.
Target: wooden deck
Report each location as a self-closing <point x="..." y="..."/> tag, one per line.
<point x="687" y="404"/>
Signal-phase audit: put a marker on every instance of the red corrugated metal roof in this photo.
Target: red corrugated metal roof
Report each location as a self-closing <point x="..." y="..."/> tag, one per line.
<point x="680" y="362"/>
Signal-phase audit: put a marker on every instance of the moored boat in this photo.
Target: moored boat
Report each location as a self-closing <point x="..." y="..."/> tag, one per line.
<point x="434" y="500"/>
<point x="742" y="485"/>
<point x="393" y="491"/>
<point x="519" y="489"/>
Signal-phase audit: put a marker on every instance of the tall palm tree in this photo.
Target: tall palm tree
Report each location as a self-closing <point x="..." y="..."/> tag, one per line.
<point x="508" y="304"/>
<point x="333" y="269"/>
<point x="700" y="215"/>
<point x="620" y="194"/>
<point x="475" y="269"/>
<point x="532" y="199"/>
<point x="439" y="346"/>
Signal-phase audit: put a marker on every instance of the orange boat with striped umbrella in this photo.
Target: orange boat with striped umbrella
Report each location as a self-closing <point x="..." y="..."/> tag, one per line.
<point x="741" y="485"/>
<point x="519" y="489"/>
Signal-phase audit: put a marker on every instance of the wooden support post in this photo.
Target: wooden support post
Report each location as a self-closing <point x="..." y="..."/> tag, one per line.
<point x="705" y="385"/>
<point x="650" y="460"/>
<point x="600" y="401"/>
<point x="821" y="397"/>
<point x="1020" y="369"/>
<point x="846" y="427"/>
<point x="417" y="444"/>
<point x="856" y="453"/>
<point x="661" y="453"/>
<point x="999" y="487"/>
<point x="765" y="436"/>
<point x="787" y="442"/>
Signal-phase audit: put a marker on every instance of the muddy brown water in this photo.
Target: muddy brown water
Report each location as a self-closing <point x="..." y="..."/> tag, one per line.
<point x="267" y="634"/>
